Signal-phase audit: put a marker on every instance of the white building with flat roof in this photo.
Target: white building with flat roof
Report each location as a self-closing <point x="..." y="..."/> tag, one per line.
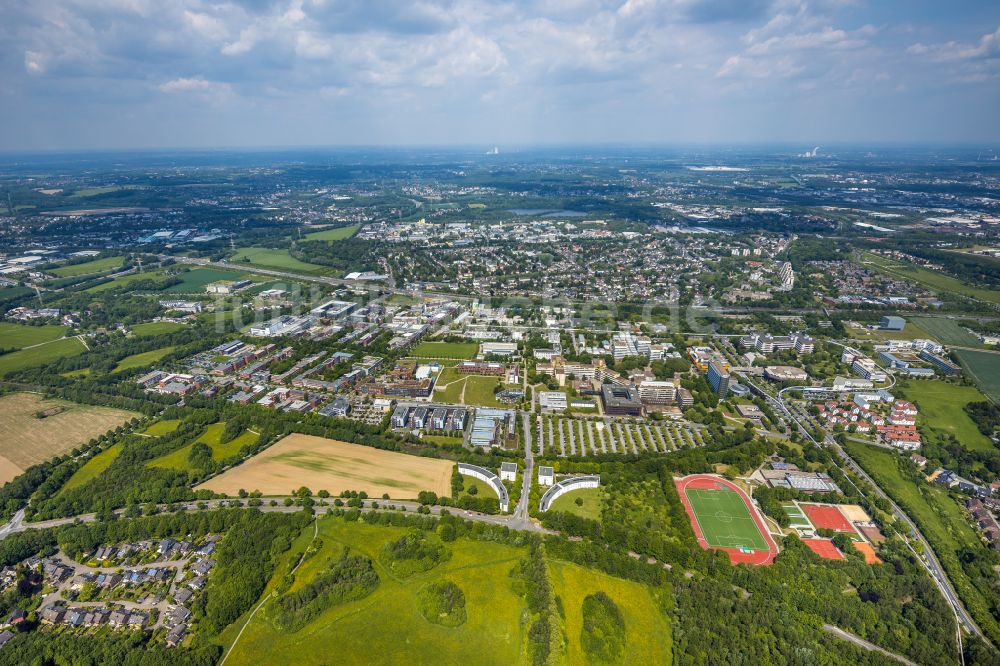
<point x="552" y="400"/>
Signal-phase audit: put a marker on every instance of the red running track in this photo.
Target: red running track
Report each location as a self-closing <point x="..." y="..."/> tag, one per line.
<point x="736" y="556"/>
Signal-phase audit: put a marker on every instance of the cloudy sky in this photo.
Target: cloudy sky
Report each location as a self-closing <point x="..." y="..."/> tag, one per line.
<point x="188" y="73"/>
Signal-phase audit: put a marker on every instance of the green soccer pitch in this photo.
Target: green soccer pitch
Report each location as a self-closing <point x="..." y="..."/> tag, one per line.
<point x="724" y="519"/>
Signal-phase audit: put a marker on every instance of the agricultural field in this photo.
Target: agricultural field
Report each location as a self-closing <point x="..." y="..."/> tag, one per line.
<point x="340" y="233"/>
<point x="274" y="258"/>
<point x="647" y="627"/>
<point x="156" y="328"/>
<point x="213" y="434"/>
<point x="92" y="468"/>
<point x="941" y="407"/>
<point x="592" y="499"/>
<point x="143" y="359"/>
<point x="123" y="280"/>
<point x="18" y="335"/>
<point x="946" y="331"/>
<point x="984" y="369"/>
<point x="327" y="464"/>
<point x="40" y="354"/>
<point x="29" y="440"/>
<point x="931" y="279"/>
<point x="95" y="266"/>
<point x="195" y="280"/>
<point x="563" y="436"/>
<point x="387" y="626"/>
<point x="450" y="350"/>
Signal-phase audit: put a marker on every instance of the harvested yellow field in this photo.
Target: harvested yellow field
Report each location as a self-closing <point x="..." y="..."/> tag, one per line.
<point x="327" y="464"/>
<point x="29" y="440"/>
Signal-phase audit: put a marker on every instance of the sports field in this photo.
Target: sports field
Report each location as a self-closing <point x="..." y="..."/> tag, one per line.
<point x="327" y="464"/>
<point x="828" y="516"/>
<point x="796" y="518"/>
<point x="453" y="350"/>
<point x="724" y="519"/>
<point x="28" y="440"/>
<point x="824" y="548"/>
<point x="984" y="368"/>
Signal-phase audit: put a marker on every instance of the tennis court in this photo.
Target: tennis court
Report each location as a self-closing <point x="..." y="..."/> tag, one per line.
<point x="828" y="516"/>
<point x="825" y="548"/>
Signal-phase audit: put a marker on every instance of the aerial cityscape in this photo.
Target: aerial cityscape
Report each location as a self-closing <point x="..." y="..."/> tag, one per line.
<point x="373" y="333"/>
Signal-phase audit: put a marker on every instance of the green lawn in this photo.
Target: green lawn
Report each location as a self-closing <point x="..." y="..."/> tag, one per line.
<point x="483" y="489"/>
<point x="452" y="350"/>
<point x="984" y="369"/>
<point x="592" y="500"/>
<point x="143" y="359"/>
<point x="195" y="280"/>
<point x="19" y="335"/>
<point x="648" y="637"/>
<point x="95" y="266"/>
<point x="274" y="258"/>
<point x="156" y="328"/>
<point x="340" y="233"/>
<point x="479" y="391"/>
<point x="160" y="428"/>
<point x="946" y="331"/>
<point x="92" y="468"/>
<point x="931" y="279"/>
<point x="451" y="393"/>
<point x="124" y="280"/>
<point x="179" y="459"/>
<point x="45" y="353"/>
<point x="724" y="519"/>
<point x="387" y="627"/>
<point x="940" y="405"/>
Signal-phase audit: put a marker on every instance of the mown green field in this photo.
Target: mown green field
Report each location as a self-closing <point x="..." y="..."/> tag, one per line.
<point x="275" y="258"/>
<point x="946" y="331"/>
<point x="387" y="627"/>
<point x="179" y="459"/>
<point x="95" y="266"/>
<point x="156" y="328"/>
<point x="44" y="353"/>
<point x="124" y="280"/>
<point x="143" y="359"/>
<point x="92" y="468"/>
<point x="195" y="280"/>
<point x="591" y="508"/>
<point x="479" y="392"/>
<point x="19" y="335"/>
<point x="941" y="407"/>
<point x="648" y="637"/>
<point x="339" y="233"/>
<point x="984" y="368"/>
<point x="452" y="350"/>
<point x="160" y="428"/>
<point x="930" y="279"/>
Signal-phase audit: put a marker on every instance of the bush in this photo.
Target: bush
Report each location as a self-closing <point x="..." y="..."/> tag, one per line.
<point x="443" y="603"/>
<point x="603" y="634"/>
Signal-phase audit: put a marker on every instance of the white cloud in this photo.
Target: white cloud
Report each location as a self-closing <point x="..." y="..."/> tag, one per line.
<point x="33" y="63"/>
<point x="988" y="46"/>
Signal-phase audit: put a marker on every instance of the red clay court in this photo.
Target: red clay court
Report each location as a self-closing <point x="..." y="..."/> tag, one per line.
<point x="824" y="548"/>
<point x="827" y="516"/>
<point x="867" y="550"/>
<point x="707" y="482"/>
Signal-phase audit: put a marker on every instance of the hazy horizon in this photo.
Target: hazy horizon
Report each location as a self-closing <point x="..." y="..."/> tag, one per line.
<point x="261" y="74"/>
